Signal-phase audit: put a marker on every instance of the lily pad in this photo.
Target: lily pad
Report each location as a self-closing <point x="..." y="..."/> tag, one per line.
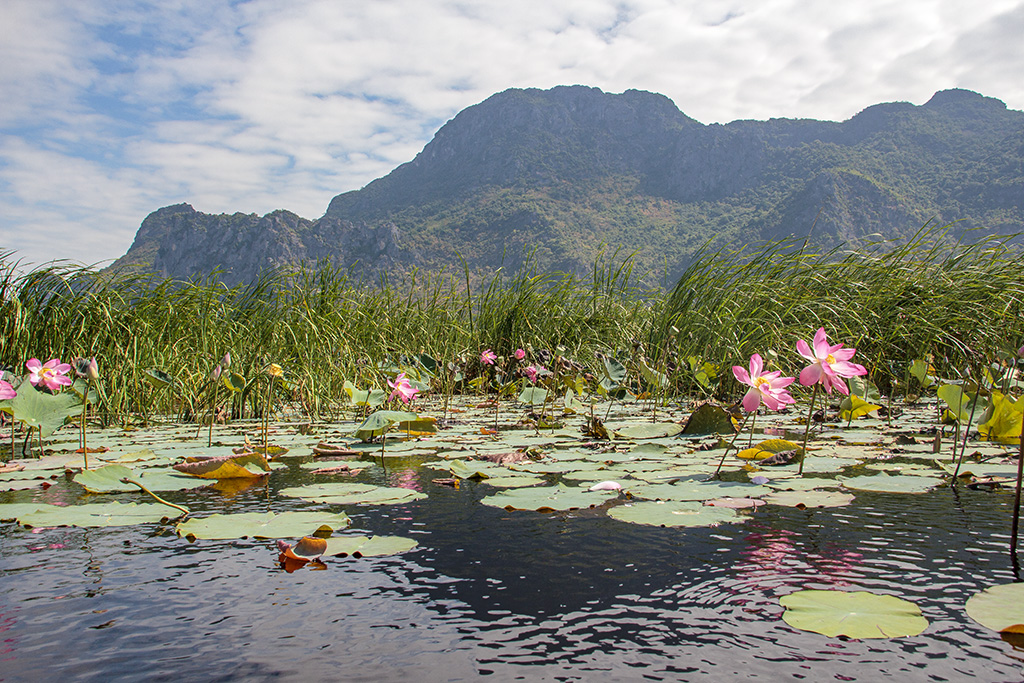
<point x="12" y="511"/>
<point x="897" y="483"/>
<point x="292" y="524"/>
<point x="857" y="614"/>
<point x="107" y="479"/>
<point x="548" y="498"/>
<point x="344" y="493"/>
<point x="1000" y="608"/>
<point x="362" y="546"/>
<point x="674" y="514"/>
<point x="241" y="466"/>
<point x="710" y="419"/>
<point x="809" y="499"/>
<point x="99" y="515"/>
<point x="646" y="430"/>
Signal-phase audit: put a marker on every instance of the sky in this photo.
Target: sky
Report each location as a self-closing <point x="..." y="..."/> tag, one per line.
<point x="112" y="109"/>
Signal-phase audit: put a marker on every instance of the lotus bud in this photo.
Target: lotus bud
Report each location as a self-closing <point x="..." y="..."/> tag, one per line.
<point x="225" y="362"/>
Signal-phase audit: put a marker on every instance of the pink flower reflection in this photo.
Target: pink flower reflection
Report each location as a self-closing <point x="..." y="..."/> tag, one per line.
<point x="406" y="479"/>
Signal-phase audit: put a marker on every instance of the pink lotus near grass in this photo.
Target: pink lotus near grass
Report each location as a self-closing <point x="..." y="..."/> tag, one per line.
<point x="6" y="391"/>
<point x="767" y="387"/>
<point x="829" y="364"/>
<point x="402" y="388"/>
<point x="488" y="357"/>
<point x="52" y="374"/>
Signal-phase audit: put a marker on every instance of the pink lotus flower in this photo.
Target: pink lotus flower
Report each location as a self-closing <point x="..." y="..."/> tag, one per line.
<point x="6" y="391"/>
<point x="488" y="357"/>
<point x="520" y="354"/>
<point x="52" y="374"/>
<point x="534" y="371"/>
<point x="402" y="388"/>
<point x="769" y="387"/>
<point x="829" y="364"/>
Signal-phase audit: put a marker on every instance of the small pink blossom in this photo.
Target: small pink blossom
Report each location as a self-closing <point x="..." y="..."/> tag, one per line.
<point x="488" y="357"/>
<point x="52" y="374"/>
<point x="520" y="354"/>
<point x="402" y="388"/>
<point x="6" y="390"/>
<point x="769" y="387"/>
<point x="829" y="364"/>
<point x="534" y="371"/>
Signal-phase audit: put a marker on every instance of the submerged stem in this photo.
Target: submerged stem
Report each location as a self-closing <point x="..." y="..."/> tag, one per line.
<point x="807" y="430"/>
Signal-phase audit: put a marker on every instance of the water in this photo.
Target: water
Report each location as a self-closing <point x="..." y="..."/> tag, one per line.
<point x="505" y="595"/>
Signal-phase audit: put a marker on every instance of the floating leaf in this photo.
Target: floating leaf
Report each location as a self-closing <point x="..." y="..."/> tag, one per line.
<point x="768" y="448"/>
<point x="897" y="483"/>
<point x="99" y="515"/>
<point x="809" y="499"/>
<point x="344" y="493"/>
<point x="646" y="430"/>
<point x="242" y="466"/>
<point x="673" y="514"/>
<point x="857" y="614"/>
<point x="11" y="511"/>
<point x="548" y="498"/>
<point x="1000" y="608"/>
<point x="290" y="524"/>
<point x="961" y="405"/>
<point x="107" y="479"/>
<point x="361" y="546"/>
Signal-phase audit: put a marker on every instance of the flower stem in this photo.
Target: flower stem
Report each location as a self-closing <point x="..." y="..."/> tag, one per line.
<point x="807" y="430"/>
<point x="729" y="447"/>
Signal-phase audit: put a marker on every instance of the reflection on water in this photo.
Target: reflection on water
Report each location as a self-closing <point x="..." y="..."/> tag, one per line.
<point x="510" y="595"/>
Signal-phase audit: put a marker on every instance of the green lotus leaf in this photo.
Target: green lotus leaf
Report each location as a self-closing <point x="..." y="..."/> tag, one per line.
<point x="368" y="547"/>
<point x="800" y="483"/>
<point x="345" y="493"/>
<point x="99" y="515"/>
<point x="533" y="395"/>
<point x="710" y="419"/>
<point x="555" y="467"/>
<point x="1002" y="419"/>
<point x="42" y="411"/>
<point x="514" y="481"/>
<point x="809" y="499"/>
<point x="476" y="469"/>
<point x="158" y="378"/>
<point x="857" y="614"/>
<point x="382" y="421"/>
<point x="853" y="407"/>
<point x="674" y="514"/>
<point x="107" y="479"/>
<point x="1000" y="608"/>
<point x="20" y="484"/>
<point x="699" y="491"/>
<point x="12" y="511"/>
<point x="292" y="524"/>
<point x="768" y="448"/>
<point x="884" y="483"/>
<point x="645" y="430"/>
<point x="923" y="372"/>
<point x="548" y="498"/>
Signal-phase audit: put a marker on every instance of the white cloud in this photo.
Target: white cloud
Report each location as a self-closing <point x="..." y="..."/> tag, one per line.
<point x="114" y="109"/>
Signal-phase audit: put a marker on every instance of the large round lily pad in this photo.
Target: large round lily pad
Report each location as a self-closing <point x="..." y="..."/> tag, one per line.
<point x="99" y="515"/>
<point x="362" y="546"/>
<point x="857" y="614"/>
<point x="107" y="479"/>
<point x="899" y="483"/>
<point x="353" y="494"/>
<point x="674" y="514"/>
<point x="292" y="524"/>
<point x="548" y="498"/>
<point x="809" y="499"/>
<point x="1000" y="608"/>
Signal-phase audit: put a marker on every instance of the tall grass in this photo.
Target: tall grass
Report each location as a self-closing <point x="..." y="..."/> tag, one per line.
<point x="895" y="303"/>
<point x="956" y="302"/>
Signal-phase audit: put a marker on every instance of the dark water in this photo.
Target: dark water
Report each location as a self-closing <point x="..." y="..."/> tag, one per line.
<point x="506" y="595"/>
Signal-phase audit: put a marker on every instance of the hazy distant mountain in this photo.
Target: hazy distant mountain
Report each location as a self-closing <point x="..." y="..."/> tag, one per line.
<point x="560" y="172"/>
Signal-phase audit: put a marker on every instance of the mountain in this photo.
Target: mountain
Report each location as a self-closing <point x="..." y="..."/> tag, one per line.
<point x="557" y="175"/>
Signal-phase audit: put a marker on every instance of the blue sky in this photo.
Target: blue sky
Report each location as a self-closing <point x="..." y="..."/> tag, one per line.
<point x="113" y="109"/>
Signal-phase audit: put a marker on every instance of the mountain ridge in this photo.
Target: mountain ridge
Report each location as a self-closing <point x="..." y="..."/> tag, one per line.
<point x="559" y="173"/>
